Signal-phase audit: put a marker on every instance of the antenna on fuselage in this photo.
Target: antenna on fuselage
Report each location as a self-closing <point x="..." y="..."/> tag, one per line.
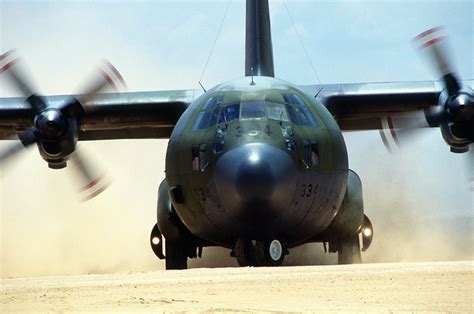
<point x="205" y="91"/>
<point x="319" y="91"/>
<point x="214" y="45"/>
<point x="251" y="73"/>
<point x="303" y="46"/>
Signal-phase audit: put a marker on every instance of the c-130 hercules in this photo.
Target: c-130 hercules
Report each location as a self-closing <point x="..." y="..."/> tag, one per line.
<point x="256" y="165"/>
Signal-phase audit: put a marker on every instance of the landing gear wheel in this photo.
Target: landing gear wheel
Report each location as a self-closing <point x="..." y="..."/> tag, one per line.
<point x="176" y="255"/>
<point x="244" y="252"/>
<point x="348" y="250"/>
<point x="270" y="253"/>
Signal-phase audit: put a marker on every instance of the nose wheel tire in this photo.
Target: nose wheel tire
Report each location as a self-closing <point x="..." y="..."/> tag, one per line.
<point x="270" y="253"/>
<point x="260" y="253"/>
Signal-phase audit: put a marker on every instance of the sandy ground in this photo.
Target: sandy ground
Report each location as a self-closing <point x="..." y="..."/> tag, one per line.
<point x="441" y="286"/>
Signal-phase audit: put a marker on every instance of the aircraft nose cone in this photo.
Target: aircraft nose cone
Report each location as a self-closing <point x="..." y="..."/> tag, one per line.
<point x="255" y="182"/>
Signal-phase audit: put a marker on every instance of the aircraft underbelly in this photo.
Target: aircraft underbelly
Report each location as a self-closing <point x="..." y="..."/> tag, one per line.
<point x="309" y="210"/>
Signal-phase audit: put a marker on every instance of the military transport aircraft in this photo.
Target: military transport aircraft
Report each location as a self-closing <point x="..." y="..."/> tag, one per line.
<point x="256" y="165"/>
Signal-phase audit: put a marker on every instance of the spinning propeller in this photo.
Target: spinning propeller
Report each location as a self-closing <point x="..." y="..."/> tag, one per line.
<point x="454" y="113"/>
<point x="55" y="129"/>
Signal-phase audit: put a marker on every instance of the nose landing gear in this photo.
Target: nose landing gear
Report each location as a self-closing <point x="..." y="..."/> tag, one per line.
<point x="260" y="253"/>
<point x="270" y="253"/>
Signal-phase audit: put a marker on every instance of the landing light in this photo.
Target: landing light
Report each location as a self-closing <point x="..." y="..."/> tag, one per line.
<point x="367" y="232"/>
<point x="254" y="157"/>
<point x="155" y="241"/>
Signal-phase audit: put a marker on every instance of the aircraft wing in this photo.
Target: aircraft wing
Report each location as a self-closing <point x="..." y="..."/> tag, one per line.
<point x="109" y="116"/>
<point x="364" y="106"/>
<point x="356" y="107"/>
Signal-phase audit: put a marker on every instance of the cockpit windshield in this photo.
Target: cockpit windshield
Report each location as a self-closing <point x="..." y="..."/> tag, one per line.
<point x="229" y="113"/>
<point x="292" y="109"/>
<point x="254" y="110"/>
<point x="276" y="112"/>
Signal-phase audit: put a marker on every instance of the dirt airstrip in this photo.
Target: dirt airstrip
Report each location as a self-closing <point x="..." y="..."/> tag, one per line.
<point x="441" y="286"/>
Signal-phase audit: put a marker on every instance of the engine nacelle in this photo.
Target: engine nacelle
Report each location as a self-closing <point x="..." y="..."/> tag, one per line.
<point x="458" y="131"/>
<point x="457" y="144"/>
<point x="58" y="137"/>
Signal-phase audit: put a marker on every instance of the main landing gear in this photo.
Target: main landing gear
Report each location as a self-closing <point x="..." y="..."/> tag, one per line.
<point x="348" y="250"/>
<point x="260" y="253"/>
<point x="177" y="252"/>
<point x="348" y="247"/>
<point x="176" y="255"/>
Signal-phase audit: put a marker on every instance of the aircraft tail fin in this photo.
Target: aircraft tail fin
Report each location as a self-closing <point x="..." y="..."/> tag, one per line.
<point x="258" y="40"/>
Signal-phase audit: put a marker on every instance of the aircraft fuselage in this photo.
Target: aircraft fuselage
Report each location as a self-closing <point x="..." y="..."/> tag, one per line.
<point x="256" y="161"/>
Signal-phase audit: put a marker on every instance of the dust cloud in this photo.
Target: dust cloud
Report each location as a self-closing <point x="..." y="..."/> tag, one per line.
<point x="418" y="200"/>
<point x="45" y="230"/>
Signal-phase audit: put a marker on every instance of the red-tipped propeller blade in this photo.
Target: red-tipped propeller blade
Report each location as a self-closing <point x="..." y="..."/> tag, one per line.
<point x="433" y="44"/>
<point x="397" y="130"/>
<point x="93" y="182"/>
<point x="105" y="77"/>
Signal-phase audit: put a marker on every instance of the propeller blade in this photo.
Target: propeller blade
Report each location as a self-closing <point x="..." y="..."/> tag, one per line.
<point x="92" y="181"/>
<point x="56" y="130"/>
<point x="106" y="77"/>
<point x="24" y="140"/>
<point x="110" y="67"/>
<point x="433" y="43"/>
<point x="396" y="130"/>
<point x="11" y="65"/>
<point x="412" y="120"/>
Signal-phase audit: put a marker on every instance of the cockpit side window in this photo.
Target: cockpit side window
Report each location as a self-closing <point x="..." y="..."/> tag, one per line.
<point x="205" y="119"/>
<point x="209" y="114"/>
<point x="293" y="99"/>
<point x="293" y="114"/>
<point x="309" y="116"/>
<point x="229" y="113"/>
<point x="213" y="102"/>
<point x="253" y="110"/>
<point x="298" y="111"/>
